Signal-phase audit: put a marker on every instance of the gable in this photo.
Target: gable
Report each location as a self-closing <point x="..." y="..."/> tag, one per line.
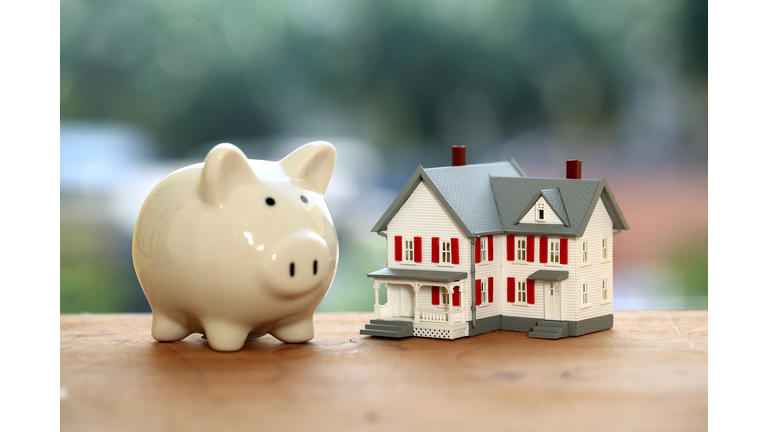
<point x="423" y="214"/>
<point x="464" y="191"/>
<point x="579" y="197"/>
<point x="550" y="217"/>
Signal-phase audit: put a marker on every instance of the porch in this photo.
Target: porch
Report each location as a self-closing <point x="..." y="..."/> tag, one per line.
<point x="445" y="316"/>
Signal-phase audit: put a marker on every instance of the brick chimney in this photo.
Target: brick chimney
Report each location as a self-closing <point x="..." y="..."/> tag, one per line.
<point x="459" y="155"/>
<point x="573" y="169"/>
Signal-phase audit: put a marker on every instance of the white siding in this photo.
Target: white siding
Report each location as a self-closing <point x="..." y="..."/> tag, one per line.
<point x="423" y="215"/>
<point x="521" y="270"/>
<point x="549" y="215"/>
<point x="486" y="269"/>
<point x="599" y="227"/>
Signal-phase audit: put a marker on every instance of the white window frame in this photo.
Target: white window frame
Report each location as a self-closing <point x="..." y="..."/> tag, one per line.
<point x="585" y="252"/>
<point x="604" y="291"/>
<point x="445" y="296"/>
<point x="540" y="211"/>
<point x="604" y="249"/>
<point x="445" y="252"/>
<point x="483" y="292"/>
<point x="585" y="294"/>
<point x="520" y="252"/>
<point x="408" y="252"/>
<point x="483" y="249"/>
<point x="522" y="293"/>
<point x="553" y="254"/>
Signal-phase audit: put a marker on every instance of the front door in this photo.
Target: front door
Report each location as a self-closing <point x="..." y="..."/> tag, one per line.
<point x="554" y="309"/>
<point x="406" y="301"/>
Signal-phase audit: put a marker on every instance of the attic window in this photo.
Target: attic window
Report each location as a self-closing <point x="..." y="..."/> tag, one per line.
<point x="540" y="212"/>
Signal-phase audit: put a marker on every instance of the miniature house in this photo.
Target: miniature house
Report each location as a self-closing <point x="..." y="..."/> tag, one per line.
<point x="478" y="248"/>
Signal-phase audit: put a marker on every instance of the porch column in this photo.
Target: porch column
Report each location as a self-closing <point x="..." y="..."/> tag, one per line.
<point x="416" y="311"/>
<point x="376" y="306"/>
<point x="462" y="307"/>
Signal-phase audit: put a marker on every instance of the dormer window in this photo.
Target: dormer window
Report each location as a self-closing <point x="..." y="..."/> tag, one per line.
<point x="539" y="212"/>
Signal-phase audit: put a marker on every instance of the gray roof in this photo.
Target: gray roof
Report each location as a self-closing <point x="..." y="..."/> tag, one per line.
<point x="464" y="191"/>
<point x="549" y="275"/>
<point x="577" y="200"/>
<point x="420" y="275"/>
<point x="492" y="198"/>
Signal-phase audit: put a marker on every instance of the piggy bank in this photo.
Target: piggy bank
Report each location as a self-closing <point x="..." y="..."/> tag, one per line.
<point x="235" y="248"/>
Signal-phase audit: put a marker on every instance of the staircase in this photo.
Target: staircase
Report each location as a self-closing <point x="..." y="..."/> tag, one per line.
<point x="549" y="330"/>
<point x="388" y="328"/>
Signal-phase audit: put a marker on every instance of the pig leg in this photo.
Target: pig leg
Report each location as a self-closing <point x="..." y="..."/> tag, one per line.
<point x="296" y="329"/>
<point x="166" y="329"/>
<point x="225" y="336"/>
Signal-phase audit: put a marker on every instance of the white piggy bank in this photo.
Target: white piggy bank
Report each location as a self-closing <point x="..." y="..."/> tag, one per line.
<point x="236" y="248"/>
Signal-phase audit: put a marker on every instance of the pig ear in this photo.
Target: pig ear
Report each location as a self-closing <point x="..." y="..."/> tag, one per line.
<point x="313" y="162"/>
<point x="225" y="167"/>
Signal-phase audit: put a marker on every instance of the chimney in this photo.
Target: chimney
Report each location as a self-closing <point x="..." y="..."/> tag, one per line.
<point x="573" y="169"/>
<point x="459" y="155"/>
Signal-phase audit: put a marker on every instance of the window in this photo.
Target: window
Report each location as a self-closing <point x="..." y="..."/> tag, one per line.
<point x="446" y="255"/>
<point x="446" y="297"/>
<point x="605" y="248"/>
<point x="408" y="251"/>
<point x="605" y="290"/>
<point x="484" y="290"/>
<point x="521" y="292"/>
<point x="483" y="249"/>
<point x="554" y="251"/>
<point x="540" y="212"/>
<point x="521" y="249"/>
<point x="585" y="251"/>
<point x="585" y="293"/>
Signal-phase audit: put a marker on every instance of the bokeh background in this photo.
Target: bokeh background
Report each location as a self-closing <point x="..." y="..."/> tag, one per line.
<point x="149" y="86"/>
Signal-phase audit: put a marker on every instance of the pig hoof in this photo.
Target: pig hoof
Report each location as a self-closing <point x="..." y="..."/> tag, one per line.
<point x="165" y="329"/>
<point x="224" y="336"/>
<point x="294" y="331"/>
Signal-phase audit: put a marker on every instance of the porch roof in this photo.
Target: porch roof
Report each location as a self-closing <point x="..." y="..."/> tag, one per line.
<point x="419" y="275"/>
<point x="549" y="275"/>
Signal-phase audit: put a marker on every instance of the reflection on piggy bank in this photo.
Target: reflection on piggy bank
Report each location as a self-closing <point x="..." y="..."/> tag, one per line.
<point x="236" y="248"/>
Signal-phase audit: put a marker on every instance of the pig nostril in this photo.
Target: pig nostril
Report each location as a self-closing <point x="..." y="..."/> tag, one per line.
<point x="293" y="269"/>
<point x="314" y="268"/>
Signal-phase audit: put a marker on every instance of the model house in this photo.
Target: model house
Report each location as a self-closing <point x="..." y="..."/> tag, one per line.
<point x="478" y="248"/>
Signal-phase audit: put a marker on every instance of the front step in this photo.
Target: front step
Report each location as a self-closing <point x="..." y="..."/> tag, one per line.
<point x="549" y="330"/>
<point x="388" y="328"/>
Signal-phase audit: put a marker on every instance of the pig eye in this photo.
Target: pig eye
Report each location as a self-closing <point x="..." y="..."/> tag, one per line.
<point x="304" y="199"/>
<point x="270" y="201"/>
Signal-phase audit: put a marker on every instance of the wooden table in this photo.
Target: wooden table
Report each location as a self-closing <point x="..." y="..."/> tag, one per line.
<point x="648" y="373"/>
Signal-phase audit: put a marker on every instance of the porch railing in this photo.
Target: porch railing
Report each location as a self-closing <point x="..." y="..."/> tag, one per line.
<point x="445" y="317"/>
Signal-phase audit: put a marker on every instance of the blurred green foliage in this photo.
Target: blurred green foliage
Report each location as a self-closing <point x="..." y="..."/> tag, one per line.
<point x="400" y="72"/>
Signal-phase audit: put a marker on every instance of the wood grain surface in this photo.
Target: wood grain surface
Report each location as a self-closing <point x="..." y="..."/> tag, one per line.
<point x="648" y="373"/>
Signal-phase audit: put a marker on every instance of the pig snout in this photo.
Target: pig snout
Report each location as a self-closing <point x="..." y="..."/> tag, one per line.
<point x="298" y="264"/>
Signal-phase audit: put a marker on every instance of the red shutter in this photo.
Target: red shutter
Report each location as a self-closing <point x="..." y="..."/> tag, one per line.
<point x="563" y="251"/>
<point x="435" y="295"/>
<point x="456" y="296"/>
<point x="454" y="251"/>
<point x="510" y="248"/>
<point x="511" y="290"/>
<point x="531" y="284"/>
<point x="543" y="246"/>
<point x="490" y="248"/>
<point x="477" y="249"/>
<point x="435" y="249"/>
<point x="529" y="249"/>
<point x="490" y="290"/>
<point x="478" y="293"/>
<point x="417" y="249"/>
<point x="398" y="248"/>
